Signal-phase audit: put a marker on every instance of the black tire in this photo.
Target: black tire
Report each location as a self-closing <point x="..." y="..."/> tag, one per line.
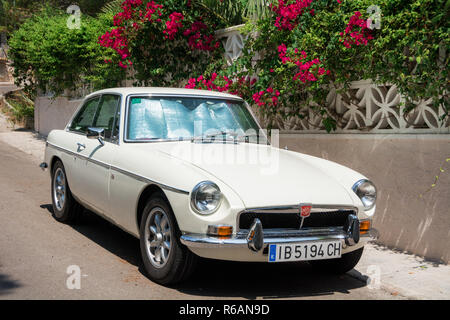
<point x="339" y="266"/>
<point x="180" y="262"/>
<point x="70" y="210"/>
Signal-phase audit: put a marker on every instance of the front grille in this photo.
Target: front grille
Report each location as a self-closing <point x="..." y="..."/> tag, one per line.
<point x="276" y="220"/>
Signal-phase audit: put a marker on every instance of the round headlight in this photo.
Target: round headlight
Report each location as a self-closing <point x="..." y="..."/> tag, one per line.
<point x="367" y="192"/>
<point x="206" y="197"/>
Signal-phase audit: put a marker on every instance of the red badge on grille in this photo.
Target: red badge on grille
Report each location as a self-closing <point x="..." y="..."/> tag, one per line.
<point x="305" y="211"/>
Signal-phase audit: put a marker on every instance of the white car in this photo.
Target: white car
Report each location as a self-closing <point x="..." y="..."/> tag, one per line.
<point x="191" y="173"/>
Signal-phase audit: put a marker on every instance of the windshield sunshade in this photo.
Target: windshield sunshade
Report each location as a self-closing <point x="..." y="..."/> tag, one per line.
<point x="151" y="118"/>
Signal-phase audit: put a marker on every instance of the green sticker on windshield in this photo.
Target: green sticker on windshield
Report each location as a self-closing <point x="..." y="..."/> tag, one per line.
<point x="136" y="101"/>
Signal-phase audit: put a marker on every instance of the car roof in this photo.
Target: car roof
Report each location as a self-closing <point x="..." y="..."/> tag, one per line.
<point x="169" y="91"/>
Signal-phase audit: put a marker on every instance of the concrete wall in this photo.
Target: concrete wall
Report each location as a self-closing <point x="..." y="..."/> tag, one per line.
<point x="52" y="114"/>
<point x="403" y="167"/>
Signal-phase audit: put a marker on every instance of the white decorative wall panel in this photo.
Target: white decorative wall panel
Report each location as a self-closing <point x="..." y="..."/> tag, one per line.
<point x="232" y="41"/>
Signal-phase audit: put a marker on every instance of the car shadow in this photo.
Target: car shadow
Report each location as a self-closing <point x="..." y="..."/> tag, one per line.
<point x="107" y="235"/>
<point x="213" y="278"/>
<point x="263" y="280"/>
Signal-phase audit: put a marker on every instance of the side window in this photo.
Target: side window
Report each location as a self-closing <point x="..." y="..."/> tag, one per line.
<point x="85" y="116"/>
<point x="106" y="114"/>
<point x="115" y="133"/>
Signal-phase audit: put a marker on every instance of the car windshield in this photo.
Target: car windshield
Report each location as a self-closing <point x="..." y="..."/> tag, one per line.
<point x="182" y="118"/>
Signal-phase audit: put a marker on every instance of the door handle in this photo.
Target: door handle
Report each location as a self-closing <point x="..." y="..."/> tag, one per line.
<point x="81" y="147"/>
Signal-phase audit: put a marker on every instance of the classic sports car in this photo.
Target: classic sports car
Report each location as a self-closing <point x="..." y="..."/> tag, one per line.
<point x="191" y="173"/>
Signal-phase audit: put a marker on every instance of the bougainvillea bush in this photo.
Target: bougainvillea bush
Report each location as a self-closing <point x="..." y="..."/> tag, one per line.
<point x="163" y="42"/>
<point x="305" y="46"/>
<point x="293" y="55"/>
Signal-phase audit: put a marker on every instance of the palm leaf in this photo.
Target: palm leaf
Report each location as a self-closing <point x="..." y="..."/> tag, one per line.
<point x="230" y="12"/>
<point x="256" y="9"/>
<point x="233" y="12"/>
<point x="112" y="7"/>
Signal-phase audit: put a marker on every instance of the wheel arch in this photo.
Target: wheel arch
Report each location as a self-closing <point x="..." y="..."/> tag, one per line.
<point x="146" y="194"/>
<point x="53" y="161"/>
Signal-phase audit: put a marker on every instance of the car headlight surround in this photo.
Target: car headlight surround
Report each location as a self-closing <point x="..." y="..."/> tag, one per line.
<point x="367" y="192"/>
<point x="206" y="198"/>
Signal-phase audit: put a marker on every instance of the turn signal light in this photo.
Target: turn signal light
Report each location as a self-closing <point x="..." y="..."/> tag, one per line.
<point x="220" y="231"/>
<point x="364" y="226"/>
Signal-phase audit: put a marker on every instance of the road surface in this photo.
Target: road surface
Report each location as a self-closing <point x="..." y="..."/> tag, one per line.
<point x="35" y="252"/>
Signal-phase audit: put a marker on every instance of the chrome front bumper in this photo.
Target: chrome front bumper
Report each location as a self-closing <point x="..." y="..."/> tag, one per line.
<point x="240" y="248"/>
<point x="256" y="238"/>
<point x="273" y="236"/>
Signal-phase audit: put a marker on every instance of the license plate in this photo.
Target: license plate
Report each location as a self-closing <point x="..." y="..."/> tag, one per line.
<point x="305" y="251"/>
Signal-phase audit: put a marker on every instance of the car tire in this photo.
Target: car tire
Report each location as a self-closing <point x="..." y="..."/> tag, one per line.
<point x="339" y="266"/>
<point x="65" y="208"/>
<point x="167" y="261"/>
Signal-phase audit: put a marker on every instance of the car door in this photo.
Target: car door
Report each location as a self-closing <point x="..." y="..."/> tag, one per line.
<point x="95" y="158"/>
<point x="75" y="143"/>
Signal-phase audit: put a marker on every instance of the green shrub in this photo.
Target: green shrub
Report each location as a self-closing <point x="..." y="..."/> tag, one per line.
<point x="47" y="55"/>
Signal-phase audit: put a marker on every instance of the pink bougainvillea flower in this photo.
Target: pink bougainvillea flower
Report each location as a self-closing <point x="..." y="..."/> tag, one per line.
<point x="356" y="33"/>
<point x="266" y="97"/>
<point x="135" y="14"/>
<point x="198" y="40"/>
<point x="116" y="41"/>
<point x="307" y="70"/>
<point x="287" y="14"/>
<point x="173" y="25"/>
<point x="221" y="84"/>
<point x="152" y="8"/>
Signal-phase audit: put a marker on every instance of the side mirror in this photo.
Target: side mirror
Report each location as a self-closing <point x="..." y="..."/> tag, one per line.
<point x="96" y="133"/>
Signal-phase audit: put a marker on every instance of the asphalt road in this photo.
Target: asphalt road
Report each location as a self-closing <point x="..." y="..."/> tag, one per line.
<point x="35" y="252"/>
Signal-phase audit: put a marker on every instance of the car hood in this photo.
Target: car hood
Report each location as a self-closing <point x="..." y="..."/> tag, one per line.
<point x="262" y="175"/>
